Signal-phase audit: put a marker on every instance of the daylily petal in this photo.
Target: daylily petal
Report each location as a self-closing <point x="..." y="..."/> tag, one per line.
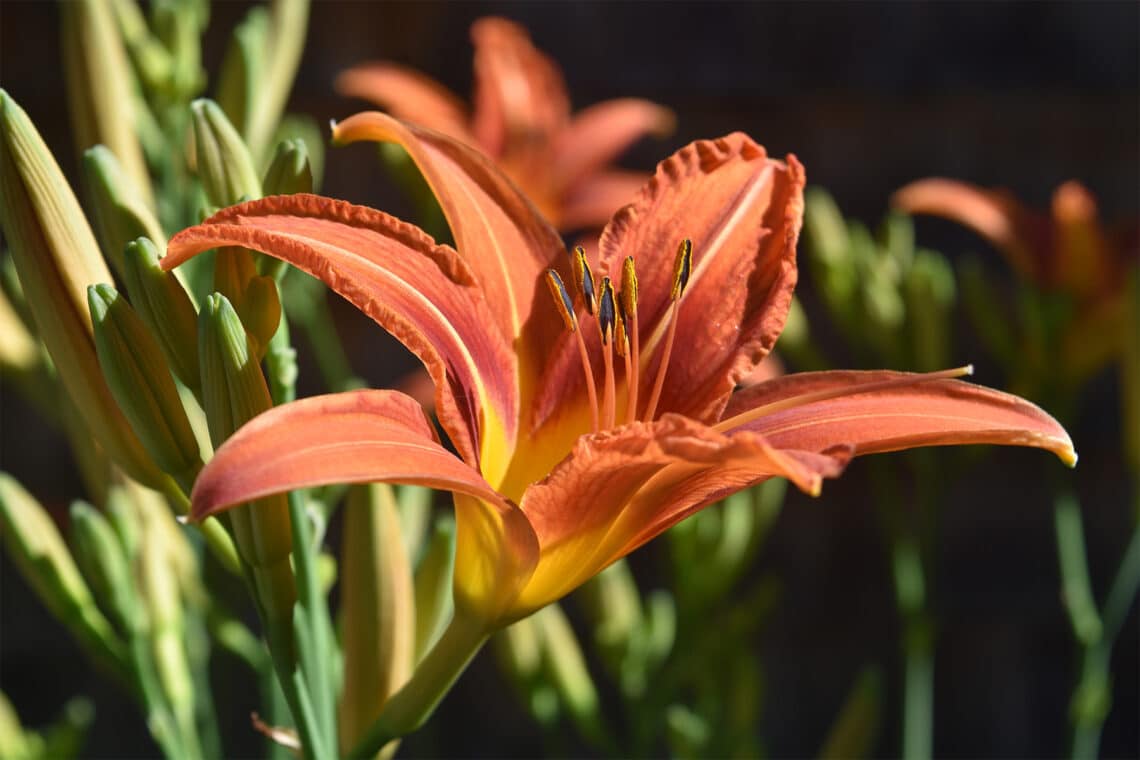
<point x="520" y="97"/>
<point x="497" y="231"/>
<point x="374" y="436"/>
<point x="1081" y="265"/>
<point x="594" y="200"/>
<point x="599" y="134"/>
<point x="408" y="94"/>
<point x="884" y="411"/>
<point x="995" y="215"/>
<point x="618" y="489"/>
<point x="421" y="292"/>
<point x="742" y="212"/>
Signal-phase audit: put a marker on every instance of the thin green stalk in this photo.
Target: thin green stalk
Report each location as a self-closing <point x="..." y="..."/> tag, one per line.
<point x="311" y="622"/>
<point x="1096" y="634"/>
<point x="412" y="705"/>
<point x="159" y="717"/>
<point x="918" y="690"/>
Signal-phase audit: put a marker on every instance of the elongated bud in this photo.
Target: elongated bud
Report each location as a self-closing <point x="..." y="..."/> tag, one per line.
<point x="100" y="88"/>
<point x="288" y="26"/>
<point x="57" y="258"/>
<point x="234" y="392"/>
<point x="120" y="212"/>
<point x="163" y="602"/>
<point x="289" y="172"/>
<point x="565" y="666"/>
<point x="165" y="307"/>
<point x="242" y="68"/>
<point x="37" y="549"/>
<point x="151" y="59"/>
<point x="178" y="24"/>
<point x="223" y="161"/>
<point x="106" y="565"/>
<point x="142" y="384"/>
<point x="377" y="608"/>
<point x="433" y="583"/>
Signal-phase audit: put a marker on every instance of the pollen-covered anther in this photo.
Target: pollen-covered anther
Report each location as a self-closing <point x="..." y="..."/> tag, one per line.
<point x="562" y="300"/>
<point x="682" y="268"/>
<point x="583" y="278"/>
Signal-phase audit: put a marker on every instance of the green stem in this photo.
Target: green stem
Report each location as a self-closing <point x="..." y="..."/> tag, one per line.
<point x="918" y="705"/>
<point x="215" y="534"/>
<point x="159" y="718"/>
<point x="412" y="705"/>
<point x="311" y="622"/>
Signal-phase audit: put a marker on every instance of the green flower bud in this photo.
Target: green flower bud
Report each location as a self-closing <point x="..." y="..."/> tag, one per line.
<point x="142" y="384"/>
<point x="242" y="68"/>
<point x="306" y="129"/>
<point x="106" y="565"/>
<point x="100" y="87"/>
<point x="434" y="601"/>
<point x="38" y="551"/>
<point x="224" y="163"/>
<point x="165" y="307"/>
<point x="120" y="215"/>
<point x="377" y="608"/>
<point x="57" y="258"/>
<point x="289" y="172"/>
<point x="234" y="392"/>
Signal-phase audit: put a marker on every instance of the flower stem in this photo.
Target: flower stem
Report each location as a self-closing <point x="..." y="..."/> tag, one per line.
<point x="411" y="706"/>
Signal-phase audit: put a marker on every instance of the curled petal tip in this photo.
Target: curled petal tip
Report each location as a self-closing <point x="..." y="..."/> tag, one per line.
<point x="1069" y="457"/>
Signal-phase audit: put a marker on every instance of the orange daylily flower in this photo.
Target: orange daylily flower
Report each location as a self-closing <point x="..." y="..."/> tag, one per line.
<point x="1067" y="250"/>
<point x="521" y="118"/>
<point x="588" y="422"/>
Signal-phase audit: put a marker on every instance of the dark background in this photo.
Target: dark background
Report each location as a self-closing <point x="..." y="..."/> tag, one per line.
<point x="869" y="96"/>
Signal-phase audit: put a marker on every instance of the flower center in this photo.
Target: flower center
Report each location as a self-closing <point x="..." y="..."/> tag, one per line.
<point x="616" y="318"/>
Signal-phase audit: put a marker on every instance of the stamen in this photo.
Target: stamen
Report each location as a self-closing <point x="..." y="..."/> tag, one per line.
<point x="606" y="320"/>
<point x="627" y="300"/>
<point x="583" y="278"/>
<point x="810" y="398"/>
<point x="565" y="306"/>
<point x="682" y="267"/>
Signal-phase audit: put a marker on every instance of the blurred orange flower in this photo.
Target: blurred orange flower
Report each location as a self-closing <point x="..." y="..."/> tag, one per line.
<point x="521" y="118"/>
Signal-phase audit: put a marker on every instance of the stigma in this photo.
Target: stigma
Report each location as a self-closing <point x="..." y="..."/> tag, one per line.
<point x="614" y="312"/>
